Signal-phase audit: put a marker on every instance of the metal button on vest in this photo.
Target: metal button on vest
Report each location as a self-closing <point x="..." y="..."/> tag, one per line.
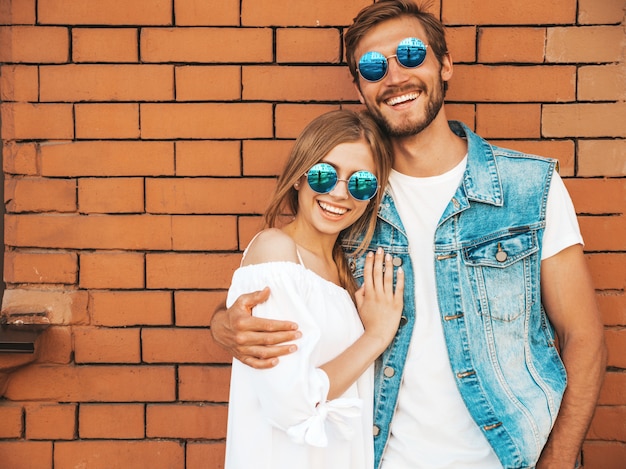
<point x="403" y="320"/>
<point x="397" y="261"/>
<point x="352" y="266"/>
<point x="389" y="372"/>
<point x="375" y="430"/>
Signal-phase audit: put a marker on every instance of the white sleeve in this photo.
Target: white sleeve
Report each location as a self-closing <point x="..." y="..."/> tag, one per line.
<point x="562" y="228"/>
<point x="293" y="395"/>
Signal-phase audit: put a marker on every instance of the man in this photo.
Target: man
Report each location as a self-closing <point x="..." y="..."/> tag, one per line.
<point x="493" y="263"/>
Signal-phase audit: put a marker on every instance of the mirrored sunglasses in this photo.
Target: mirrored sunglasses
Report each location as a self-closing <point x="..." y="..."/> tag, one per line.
<point x="323" y="178"/>
<point x="410" y="53"/>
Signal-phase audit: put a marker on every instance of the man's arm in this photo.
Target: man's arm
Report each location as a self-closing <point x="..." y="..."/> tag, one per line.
<point x="253" y="341"/>
<point x="569" y="299"/>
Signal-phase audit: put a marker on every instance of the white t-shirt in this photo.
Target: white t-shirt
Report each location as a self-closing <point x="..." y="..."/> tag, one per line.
<point x="432" y="428"/>
<point x="280" y="418"/>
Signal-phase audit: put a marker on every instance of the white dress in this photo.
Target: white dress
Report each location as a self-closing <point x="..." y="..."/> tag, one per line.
<point x="280" y="418"/>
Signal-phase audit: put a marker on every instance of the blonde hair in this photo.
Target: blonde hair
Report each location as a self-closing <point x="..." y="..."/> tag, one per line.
<point x="316" y="140"/>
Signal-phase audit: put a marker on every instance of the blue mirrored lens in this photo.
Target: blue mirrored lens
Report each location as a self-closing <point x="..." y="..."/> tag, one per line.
<point x="322" y="178"/>
<point x="411" y="52"/>
<point x="362" y="185"/>
<point x="373" y="66"/>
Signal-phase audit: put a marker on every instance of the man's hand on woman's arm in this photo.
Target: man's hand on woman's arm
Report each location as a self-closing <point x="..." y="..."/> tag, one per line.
<point x="253" y="341"/>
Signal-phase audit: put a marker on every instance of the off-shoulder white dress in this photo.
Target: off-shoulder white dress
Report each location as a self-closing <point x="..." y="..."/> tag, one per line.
<point x="280" y="418"/>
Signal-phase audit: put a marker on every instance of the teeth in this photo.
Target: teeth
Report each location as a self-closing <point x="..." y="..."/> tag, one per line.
<point x="401" y="99"/>
<point x="333" y="209"/>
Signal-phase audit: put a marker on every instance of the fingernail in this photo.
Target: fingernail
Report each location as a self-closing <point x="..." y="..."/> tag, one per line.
<point x="379" y="250"/>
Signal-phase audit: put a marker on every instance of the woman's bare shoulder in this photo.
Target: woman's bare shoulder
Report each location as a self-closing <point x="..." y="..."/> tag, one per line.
<point x="271" y="245"/>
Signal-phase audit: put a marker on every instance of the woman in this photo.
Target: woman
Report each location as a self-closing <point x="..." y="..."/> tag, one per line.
<point x="314" y="409"/>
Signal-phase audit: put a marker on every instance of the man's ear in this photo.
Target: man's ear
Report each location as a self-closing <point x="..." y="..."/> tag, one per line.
<point x="446" y="67"/>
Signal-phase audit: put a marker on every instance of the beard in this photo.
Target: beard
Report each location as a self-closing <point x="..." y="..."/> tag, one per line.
<point x="408" y="127"/>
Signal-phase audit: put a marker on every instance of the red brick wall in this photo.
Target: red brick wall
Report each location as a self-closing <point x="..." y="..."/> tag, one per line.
<point x="140" y="141"/>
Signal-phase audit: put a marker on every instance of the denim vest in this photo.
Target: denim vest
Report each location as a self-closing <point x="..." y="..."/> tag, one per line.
<point x="487" y="255"/>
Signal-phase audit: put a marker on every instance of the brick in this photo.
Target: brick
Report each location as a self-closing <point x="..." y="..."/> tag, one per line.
<point x="297" y="83"/>
<point x="604" y="455"/>
<point x="604" y="233"/>
<point x="190" y="271"/>
<point x="204" y="233"/>
<point x="208" y="195"/>
<point x="131" y="308"/>
<point x="465" y="113"/>
<point x="19" y="83"/>
<point x="609" y="423"/>
<point x="208" y="158"/>
<point x="507" y="83"/>
<point x="616" y="345"/>
<point x="196" y="308"/>
<point x="33" y="44"/>
<point x="54" y="346"/>
<point x="498" y="12"/>
<point x="248" y="227"/>
<point x="37" y="453"/>
<point x="181" y="345"/>
<point x="508" y="120"/>
<point x="608" y="271"/>
<point x="208" y="83"/>
<point x="22" y="12"/>
<point x="291" y="119"/>
<point x="206" y="120"/>
<point x="25" y="121"/>
<point x="299" y="13"/>
<point x="580" y="44"/>
<point x="50" y="421"/>
<point x="203" y="383"/>
<point x="597" y="196"/>
<point x="93" y="232"/>
<point x="20" y="158"/>
<point x="40" y="195"/>
<point x="265" y="157"/>
<point x="584" y="120"/>
<point x="308" y="45"/>
<point x="115" y="45"/>
<point x="105" y="454"/>
<point x="602" y="82"/>
<point x="562" y="150"/>
<point x="186" y="421"/>
<point x="102" y="383"/>
<point x="522" y="45"/>
<point x="106" y="345"/>
<point x="107" y="121"/>
<point x="114" y="195"/>
<point x="112" y="421"/>
<point x="131" y="158"/>
<point x="612" y="393"/>
<point x="11" y="417"/>
<point x="118" y="82"/>
<point x="606" y="12"/>
<point x="206" y="45"/>
<point x="40" y="267"/>
<point x="612" y="305"/>
<point x="461" y="42"/>
<point x="200" y="454"/>
<point x="203" y="13"/>
<point x="102" y="270"/>
<point x="63" y="307"/>
<point x="111" y="12"/>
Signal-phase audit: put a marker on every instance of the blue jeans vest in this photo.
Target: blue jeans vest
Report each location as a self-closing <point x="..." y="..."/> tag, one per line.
<point x="487" y="255"/>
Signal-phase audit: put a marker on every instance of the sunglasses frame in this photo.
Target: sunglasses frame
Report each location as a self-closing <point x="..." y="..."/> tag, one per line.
<point x="329" y="167"/>
<point x="406" y="43"/>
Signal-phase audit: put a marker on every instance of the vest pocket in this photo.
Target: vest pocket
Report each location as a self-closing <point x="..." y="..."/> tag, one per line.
<point x="500" y="271"/>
